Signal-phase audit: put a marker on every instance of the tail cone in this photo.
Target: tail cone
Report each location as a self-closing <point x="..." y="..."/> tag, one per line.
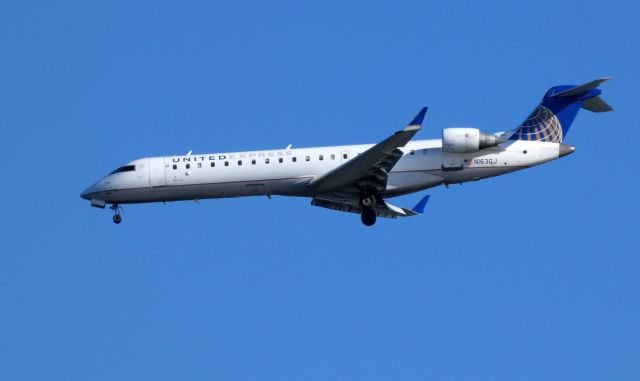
<point x="565" y="149"/>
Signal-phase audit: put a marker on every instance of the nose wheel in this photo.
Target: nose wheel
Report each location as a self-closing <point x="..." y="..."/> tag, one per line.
<point x="117" y="218"/>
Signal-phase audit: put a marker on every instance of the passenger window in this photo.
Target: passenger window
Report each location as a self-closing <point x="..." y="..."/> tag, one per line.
<point x="412" y="152"/>
<point x="239" y="162"/>
<point x="213" y="164"/>
<point x="333" y="157"/>
<point x="199" y="165"/>
<point x="253" y="161"/>
<point x="188" y="166"/>
<point x="307" y="158"/>
<point x="344" y="155"/>
<point x="266" y="161"/>
<point x="294" y="159"/>
<point x="280" y="160"/>
<point x="175" y="166"/>
<point x="321" y="157"/>
<point x="226" y="163"/>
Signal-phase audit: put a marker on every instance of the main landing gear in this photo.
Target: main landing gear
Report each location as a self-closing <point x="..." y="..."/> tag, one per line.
<point x="368" y="214"/>
<point x="117" y="218"/>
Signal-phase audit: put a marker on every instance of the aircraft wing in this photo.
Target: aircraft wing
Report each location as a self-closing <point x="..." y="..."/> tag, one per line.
<point x="382" y="208"/>
<point x="370" y="169"/>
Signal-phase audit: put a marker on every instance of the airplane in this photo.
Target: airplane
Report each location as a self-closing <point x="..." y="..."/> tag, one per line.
<point x="356" y="178"/>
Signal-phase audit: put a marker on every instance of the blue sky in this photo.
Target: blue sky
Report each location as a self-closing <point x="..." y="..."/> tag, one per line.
<point x="530" y="276"/>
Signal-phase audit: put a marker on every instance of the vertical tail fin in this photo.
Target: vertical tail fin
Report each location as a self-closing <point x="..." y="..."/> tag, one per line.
<point x="551" y="120"/>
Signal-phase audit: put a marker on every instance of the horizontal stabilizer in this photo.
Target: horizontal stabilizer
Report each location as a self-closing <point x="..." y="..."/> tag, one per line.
<point x="579" y="90"/>
<point x="596" y="104"/>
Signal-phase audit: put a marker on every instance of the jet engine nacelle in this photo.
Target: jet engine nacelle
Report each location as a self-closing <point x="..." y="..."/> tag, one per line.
<point x="463" y="140"/>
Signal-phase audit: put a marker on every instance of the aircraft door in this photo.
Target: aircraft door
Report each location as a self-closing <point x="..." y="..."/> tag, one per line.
<point x="452" y="161"/>
<point x="156" y="172"/>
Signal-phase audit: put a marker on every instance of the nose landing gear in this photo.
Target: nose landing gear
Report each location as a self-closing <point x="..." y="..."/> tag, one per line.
<point x="117" y="218"/>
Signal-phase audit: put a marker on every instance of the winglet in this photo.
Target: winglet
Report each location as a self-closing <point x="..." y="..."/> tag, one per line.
<point x="417" y="121"/>
<point x="419" y="208"/>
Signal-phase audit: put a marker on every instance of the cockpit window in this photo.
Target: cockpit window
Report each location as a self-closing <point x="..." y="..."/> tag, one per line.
<point x="126" y="168"/>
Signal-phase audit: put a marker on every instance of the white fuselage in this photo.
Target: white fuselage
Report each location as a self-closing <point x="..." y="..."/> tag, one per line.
<point x="287" y="171"/>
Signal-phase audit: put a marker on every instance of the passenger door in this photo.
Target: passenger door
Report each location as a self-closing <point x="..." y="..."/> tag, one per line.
<point x="157" y="172"/>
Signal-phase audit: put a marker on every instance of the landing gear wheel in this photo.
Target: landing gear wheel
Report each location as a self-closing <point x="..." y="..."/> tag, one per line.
<point x="367" y="201"/>
<point x="368" y="216"/>
<point x="117" y="218"/>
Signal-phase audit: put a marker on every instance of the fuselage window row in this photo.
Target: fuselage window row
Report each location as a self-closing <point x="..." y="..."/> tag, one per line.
<point x="294" y="159"/>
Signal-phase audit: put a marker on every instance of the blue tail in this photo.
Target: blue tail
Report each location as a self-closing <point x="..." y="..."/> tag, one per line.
<point x="551" y="120"/>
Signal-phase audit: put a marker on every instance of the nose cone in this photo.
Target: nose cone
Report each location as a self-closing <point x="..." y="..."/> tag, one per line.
<point x="96" y="195"/>
<point x="86" y="194"/>
<point x="93" y="192"/>
<point x="565" y="149"/>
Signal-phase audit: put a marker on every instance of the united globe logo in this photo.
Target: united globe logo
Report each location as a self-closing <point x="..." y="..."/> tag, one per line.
<point x="541" y="125"/>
